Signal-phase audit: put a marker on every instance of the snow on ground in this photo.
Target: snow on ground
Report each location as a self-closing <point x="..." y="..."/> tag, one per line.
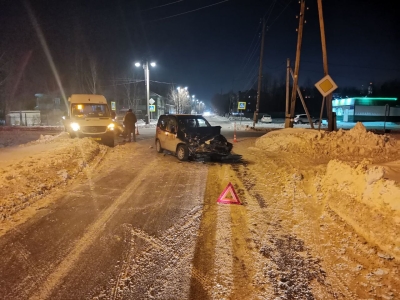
<point x="356" y="184"/>
<point x="360" y="184"/>
<point x="47" y="163"/>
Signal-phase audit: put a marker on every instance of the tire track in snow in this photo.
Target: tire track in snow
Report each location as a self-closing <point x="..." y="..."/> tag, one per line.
<point x="88" y="238"/>
<point x="159" y="265"/>
<point x="157" y="269"/>
<point x="286" y="267"/>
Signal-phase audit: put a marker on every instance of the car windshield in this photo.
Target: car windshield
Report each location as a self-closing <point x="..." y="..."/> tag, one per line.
<point x="85" y="110"/>
<point x="193" y="122"/>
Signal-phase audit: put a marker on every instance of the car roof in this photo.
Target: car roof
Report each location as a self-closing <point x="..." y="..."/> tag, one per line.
<point x="184" y="116"/>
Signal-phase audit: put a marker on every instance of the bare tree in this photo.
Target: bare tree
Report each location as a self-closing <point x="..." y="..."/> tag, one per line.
<point x="3" y="69"/>
<point x="92" y="75"/>
<point x="4" y="75"/>
<point x="130" y="91"/>
<point x="181" y="98"/>
<point x="78" y="78"/>
<point x="14" y="84"/>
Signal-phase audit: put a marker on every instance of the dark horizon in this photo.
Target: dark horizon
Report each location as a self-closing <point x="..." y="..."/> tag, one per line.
<point x="210" y="46"/>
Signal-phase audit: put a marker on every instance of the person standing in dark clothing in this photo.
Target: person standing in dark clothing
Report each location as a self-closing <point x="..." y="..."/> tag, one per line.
<point x="129" y="122"/>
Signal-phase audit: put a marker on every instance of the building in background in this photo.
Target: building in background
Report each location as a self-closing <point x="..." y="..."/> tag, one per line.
<point x="367" y="109"/>
<point x="51" y="109"/>
<point x="23" y="118"/>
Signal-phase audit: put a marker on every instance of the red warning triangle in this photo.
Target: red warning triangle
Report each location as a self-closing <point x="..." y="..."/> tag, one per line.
<point x="222" y="198"/>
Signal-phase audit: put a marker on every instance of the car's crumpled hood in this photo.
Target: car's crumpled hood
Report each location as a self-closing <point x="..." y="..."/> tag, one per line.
<point x="207" y="141"/>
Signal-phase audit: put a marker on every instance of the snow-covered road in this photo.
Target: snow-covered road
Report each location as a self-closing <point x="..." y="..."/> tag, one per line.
<point x="319" y="220"/>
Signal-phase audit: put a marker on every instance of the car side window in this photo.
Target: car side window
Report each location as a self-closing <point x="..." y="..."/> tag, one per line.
<point x="162" y="123"/>
<point x="191" y="123"/>
<point x="171" y="124"/>
<point x="182" y="124"/>
<point x="202" y="123"/>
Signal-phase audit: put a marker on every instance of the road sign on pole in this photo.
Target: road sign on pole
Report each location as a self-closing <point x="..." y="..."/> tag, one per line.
<point x="151" y="101"/>
<point x="152" y="108"/>
<point x="326" y="86"/>
<point x="241" y="105"/>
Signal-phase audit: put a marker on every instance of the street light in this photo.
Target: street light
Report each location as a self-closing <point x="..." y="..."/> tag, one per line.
<point x="146" y="76"/>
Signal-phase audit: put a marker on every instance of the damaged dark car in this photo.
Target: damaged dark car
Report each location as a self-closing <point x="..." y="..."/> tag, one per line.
<point x="191" y="137"/>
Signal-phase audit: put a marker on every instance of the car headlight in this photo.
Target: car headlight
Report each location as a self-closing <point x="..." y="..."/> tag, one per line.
<point x="75" y="126"/>
<point x="111" y="126"/>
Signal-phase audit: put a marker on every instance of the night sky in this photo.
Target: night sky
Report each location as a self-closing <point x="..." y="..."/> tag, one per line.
<point x="211" y="46"/>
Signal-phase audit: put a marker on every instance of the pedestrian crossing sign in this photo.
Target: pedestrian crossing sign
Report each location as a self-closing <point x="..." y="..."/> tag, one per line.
<point x="152" y="108"/>
<point x="241" y="105"/>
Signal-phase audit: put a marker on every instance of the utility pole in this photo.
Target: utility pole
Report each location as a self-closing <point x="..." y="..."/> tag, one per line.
<point x="255" y="118"/>
<point x="304" y="103"/>
<point x="146" y="72"/>
<point x="287" y="116"/>
<point x="297" y="65"/>
<point x="325" y="61"/>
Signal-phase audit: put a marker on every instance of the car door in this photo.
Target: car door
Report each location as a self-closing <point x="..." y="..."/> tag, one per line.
<point x="304" y="118"/>
<point x="161" y="130"/>
<point x="171" y="140"/>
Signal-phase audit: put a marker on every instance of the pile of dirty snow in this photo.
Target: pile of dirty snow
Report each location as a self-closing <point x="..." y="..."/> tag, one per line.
<point x="354" y="184"/>
<point x="52" y="161"/>
<point x="354" y="144"/>
<point x="364" y="199"/>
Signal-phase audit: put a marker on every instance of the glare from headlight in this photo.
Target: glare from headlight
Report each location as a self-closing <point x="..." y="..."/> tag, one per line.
<point x="75" y="126"/>
<point x="111" y="126"/>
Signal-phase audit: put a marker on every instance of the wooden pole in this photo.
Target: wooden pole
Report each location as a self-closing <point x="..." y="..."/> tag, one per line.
<point x="297" y="63"/>
<point x="255" y="117"/>
<point x="320" y="114"/>
<point x="303" y="102"/>
<point x="325" y="62"/>
<point x="287" y="116"/>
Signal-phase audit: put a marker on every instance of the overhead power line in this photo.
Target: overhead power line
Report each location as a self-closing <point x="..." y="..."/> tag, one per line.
<point x="273" y="21"/>
<point x="189" y="11"/>
<point x="163" y="5"/>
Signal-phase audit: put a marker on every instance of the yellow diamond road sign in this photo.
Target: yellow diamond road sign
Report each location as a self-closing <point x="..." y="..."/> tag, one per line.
<point x="326" y="85"/>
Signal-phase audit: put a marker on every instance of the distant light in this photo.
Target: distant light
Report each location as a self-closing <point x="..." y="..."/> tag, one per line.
<point x="186" y="87"/>
<point x="178" y="88"/>
<point x="153" y="64"/>
<point x="206" y="113"/>
<point x="192" y="96"/>
<point x="137" y="64"/>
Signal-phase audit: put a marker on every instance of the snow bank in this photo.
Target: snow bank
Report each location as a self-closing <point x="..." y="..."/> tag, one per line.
<point x="58" y="159"/>
<point x="354" y="144"/>
<point x="352" y="187"/>
<point x="363" y="198"/>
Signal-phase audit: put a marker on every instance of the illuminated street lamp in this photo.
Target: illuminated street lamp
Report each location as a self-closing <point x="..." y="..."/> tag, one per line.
<point x="146" y="76"/>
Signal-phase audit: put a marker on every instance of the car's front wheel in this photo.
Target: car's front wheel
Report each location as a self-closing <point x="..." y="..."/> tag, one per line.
<point x="158" y="146"/>
<point x="182" y="152"/>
